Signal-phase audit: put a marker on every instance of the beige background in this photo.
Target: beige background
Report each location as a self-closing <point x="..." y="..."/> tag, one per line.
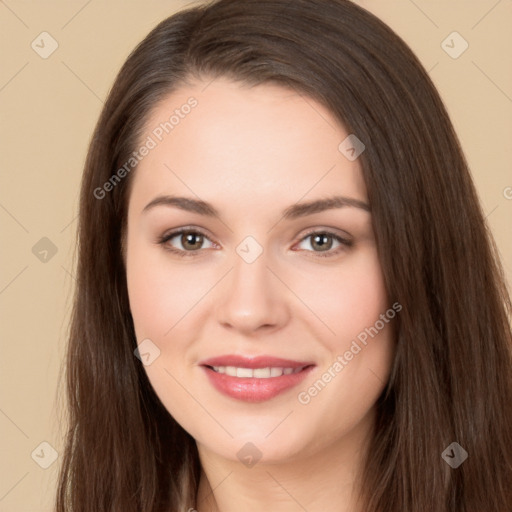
<point x="49" y="108"/>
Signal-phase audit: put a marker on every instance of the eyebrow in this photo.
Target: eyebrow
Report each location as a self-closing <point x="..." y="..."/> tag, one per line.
<point x="292" y="212"/>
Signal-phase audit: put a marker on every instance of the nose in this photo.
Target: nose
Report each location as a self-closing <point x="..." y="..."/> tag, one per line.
<point x="252" y="299"/>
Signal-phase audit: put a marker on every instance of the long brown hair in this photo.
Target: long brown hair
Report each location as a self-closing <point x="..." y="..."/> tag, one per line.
<point x="451" y="380"/>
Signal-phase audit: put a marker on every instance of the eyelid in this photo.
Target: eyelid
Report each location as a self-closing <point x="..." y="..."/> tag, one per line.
<point x="334" y="232"/>
<point x="185" y="229"/>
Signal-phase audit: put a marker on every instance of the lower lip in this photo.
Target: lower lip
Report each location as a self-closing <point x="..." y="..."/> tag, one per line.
<point x="252" y="389"/>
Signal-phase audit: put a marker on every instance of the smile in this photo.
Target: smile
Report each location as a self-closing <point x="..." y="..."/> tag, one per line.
<point x="259" y="373"/>
<point x="254" y="379"/>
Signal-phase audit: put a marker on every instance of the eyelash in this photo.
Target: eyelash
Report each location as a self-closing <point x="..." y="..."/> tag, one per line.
<point x="185" y="254"/>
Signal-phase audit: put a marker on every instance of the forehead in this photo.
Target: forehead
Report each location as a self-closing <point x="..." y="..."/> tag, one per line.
<point x="231" y="144"/>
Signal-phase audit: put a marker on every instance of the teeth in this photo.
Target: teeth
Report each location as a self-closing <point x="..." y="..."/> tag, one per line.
<point x="259" y="373"/>
<point x="276" y="372"/>
<point x="264" y="373"/>
<point x="229" y="370"/>
<point x="244" y="372"/>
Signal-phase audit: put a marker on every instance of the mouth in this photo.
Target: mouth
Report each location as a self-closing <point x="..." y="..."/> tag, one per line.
<point x="254" y="379"/>
<point x="258" y="373"/>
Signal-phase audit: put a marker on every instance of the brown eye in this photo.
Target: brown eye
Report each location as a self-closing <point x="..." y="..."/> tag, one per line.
<point x="321" y="241"/>
<point x="185" y="241"/>
<point x="191" y="241"/>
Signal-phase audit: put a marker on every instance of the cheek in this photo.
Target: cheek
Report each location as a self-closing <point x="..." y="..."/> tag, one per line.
<point x="363" y="339"/>
<point x="161" y="301"/>
<point x="160" y="294"/>
<point x="350" y="301"/>
<point x="347" y="298"/>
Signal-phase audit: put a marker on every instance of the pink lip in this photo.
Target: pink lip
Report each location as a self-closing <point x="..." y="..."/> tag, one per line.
<point x="253" y="389"/>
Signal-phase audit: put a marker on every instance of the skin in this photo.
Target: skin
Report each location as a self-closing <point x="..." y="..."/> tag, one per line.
<point x="251" y="153"/>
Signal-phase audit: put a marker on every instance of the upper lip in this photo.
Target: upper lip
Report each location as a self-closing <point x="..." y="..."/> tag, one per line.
<point x="254" y="362"/>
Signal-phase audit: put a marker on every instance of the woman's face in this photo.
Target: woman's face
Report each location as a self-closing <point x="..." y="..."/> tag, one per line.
<point x="267" y="322"/>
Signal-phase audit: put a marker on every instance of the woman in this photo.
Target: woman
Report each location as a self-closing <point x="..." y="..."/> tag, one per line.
<point x="287" y="296"/>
